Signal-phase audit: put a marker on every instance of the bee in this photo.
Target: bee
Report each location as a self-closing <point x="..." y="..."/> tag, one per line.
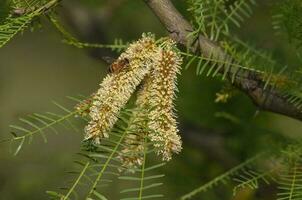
<point x="118" y="65"/>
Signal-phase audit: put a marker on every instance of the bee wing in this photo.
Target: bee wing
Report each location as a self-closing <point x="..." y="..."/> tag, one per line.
<point x="108" y="59"/>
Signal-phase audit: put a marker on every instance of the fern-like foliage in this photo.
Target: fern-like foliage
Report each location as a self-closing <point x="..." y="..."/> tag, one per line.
<point x="23" y="13"/>
<point x="250" y="178"/>
<point x="287" y="19"/>
<point x="118" y="44"/>
<point x="285" y="170"/>
<point x="144" y="182"/>
<point x="244" y="60"/>
<point x="214" y="17"/>
<point x="258" y="61"/>
<point x="101" y="165"/>
<point x="12" y="26"/>
<point x="39" y="123"/>
<point x="223" y="178"/>
<point x="212" y="66"/>
<point x="287" y="22"/>
<point x="290" y="181"/>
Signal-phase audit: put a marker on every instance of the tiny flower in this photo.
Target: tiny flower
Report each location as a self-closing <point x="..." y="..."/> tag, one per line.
<point x="83" y="108"/>
<point x="225" y="94"/>
<point x="222" y="97"/>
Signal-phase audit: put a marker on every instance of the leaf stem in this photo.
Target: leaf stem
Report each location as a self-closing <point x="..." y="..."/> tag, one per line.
<point x="77" y="181"/>
<point x="143" y="171"/>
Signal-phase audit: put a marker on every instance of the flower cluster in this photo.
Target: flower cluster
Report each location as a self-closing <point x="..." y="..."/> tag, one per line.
<point x="161" y="90"/>
<point x="116" y="88"/>
<point x="156" y="67"/>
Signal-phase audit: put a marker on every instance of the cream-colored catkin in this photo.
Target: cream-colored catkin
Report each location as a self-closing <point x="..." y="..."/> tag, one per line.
<point x="162" y="120"/>
<point x="157" y="97"/>
<point x="154" y="116"/>
<point x="116" y="89"/>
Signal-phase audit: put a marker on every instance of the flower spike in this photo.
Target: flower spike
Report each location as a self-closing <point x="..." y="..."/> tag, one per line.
<point x="117" y="88"/>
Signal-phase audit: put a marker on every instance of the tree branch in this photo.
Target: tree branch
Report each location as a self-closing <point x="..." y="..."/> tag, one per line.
<point x="251" y="83"/>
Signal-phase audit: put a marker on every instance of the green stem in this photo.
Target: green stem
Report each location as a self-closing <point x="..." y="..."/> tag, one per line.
<point x="220" y="178"/>
<point x="143" y="172"/>
<point x="46" y="126"/>
<point x="105" y="165"/>
<point x="293" y="183"/>
<point x="76" y="182"/>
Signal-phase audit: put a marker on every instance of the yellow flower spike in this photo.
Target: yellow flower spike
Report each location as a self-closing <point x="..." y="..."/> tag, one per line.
<point x="154" y="116"/>
<point x="157" y="97"/>
<point x="162" y="89"/>
<point x="117" y="88"/>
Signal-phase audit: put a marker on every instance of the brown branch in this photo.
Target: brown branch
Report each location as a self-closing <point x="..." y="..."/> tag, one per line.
<point x="251" y="83"/>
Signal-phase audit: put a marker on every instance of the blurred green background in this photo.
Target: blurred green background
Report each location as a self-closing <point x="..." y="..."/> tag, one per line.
<point x="36" y="68"/>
